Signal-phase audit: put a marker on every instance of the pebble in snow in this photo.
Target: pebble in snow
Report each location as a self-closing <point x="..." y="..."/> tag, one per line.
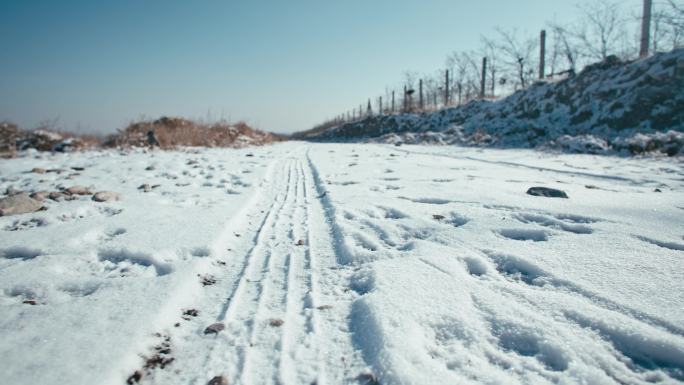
<point x="18" y="204"/>
<point x="218" y="380"/>
<point x="106" y="196"/>
<point x="547" y="192"/>
<point x="78" y="190"/>
<point x="214" y="328"/>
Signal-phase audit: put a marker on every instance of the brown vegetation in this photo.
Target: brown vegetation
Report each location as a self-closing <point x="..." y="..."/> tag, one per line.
<point x="173" y="132"/>
<point x="166" y="133"/>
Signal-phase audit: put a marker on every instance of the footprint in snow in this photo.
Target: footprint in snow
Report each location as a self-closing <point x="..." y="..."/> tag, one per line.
<point x="554" y="223"/>
<point x="666" y="245"/>
<point x="524" y="234"/>
<point x="431" y="201"/>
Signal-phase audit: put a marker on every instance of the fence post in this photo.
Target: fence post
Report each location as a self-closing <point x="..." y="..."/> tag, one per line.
<point x="446" y="89"/>
<point x="542" y="53"/>
<point x="483" y="83"/>
<point x="392" y="111"/>
<point x="645" y="29"/>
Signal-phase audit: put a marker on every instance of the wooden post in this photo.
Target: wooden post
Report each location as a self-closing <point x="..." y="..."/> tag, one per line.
<point x="645" y="29"/>
<point x="392" y="111"/>
<point x="420" y="88"/>
<point x="446" y="89"/>
<point x="483" y="82"/>
<point x="542" y="53"/>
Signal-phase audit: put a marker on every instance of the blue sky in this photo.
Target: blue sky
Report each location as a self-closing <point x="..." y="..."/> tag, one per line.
<point x="280" y="65"/>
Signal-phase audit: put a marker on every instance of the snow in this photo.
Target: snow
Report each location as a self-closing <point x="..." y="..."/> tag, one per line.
<point x="610" y="107"/>
<point x="345" y="263"/>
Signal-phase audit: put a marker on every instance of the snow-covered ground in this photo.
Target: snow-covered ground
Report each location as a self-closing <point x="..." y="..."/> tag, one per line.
<point x="345" y="263"/>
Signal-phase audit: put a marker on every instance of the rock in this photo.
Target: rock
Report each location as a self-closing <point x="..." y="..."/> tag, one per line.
<point x="657" y="190"/>
<point x="40" y="195"/>
<point x="218" y="380"/>
<point x="78" y="168"/>
<point x="18" y="204"/>
<point x="55" y="195"/>
<point x="547" y="192"/>
<point x="207" y="280"/>
<point x="77" y="190"/>
<point x="11" y="190"/>
<point x="30" y="302"/>
<point x="38" y="170"/>
<point x="106" y="196"/>
<point x="276" y="322"/>
<point x="367" y="379"/>
<point x="135" y="377"/>
<point x="145" y="187"/>
<point x="437" y="217"/>
<point x="149" y="168"/>
<point x="41" y="140"/>
<point x="214" y="328"/>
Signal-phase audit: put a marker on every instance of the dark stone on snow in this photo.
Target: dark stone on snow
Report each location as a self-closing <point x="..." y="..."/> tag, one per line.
<point x="218" y="380"/>
<point x="547" y="192"/>
<point x="214" y="328"/>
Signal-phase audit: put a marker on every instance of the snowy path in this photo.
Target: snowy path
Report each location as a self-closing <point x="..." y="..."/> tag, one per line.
<point x="280" y="325"/>
<point x="346" y="264"/>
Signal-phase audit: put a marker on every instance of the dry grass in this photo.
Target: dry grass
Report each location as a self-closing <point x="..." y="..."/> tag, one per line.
<point x="8" y="139"/>
<point x="169" y="132"/>
<point x="174" y="132"/>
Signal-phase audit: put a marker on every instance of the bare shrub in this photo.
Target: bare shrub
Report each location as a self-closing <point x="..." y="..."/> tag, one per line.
<point x="172" y="132"/>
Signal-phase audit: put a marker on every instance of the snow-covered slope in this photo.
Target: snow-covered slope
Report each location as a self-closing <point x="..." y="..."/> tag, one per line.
<point x="600" y="109"/>
<point x="366" y="264"/>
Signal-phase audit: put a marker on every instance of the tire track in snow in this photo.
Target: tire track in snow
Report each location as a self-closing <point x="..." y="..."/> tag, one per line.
<point x="198" y="357"/>
<point x="274" y="277"/>
<point x="227" y="354"/>
<point x="299" y="353"/>
<point x="339" y="360"/>
<point x="256" y="342"/>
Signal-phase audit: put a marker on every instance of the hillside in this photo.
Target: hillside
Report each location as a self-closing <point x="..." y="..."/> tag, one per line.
<point x="635" y="106"/>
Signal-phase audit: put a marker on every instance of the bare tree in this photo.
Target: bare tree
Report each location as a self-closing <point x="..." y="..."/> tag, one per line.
<point x="518" y="57"/>
<point x="601" y="29"/>
<point x="490" y="51"/>
<point x="672" y="22"/>
<point x="565" y="52"/>
<point x="458" y="64"/>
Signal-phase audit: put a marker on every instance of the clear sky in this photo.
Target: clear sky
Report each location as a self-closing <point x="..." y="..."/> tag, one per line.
<point x="282" y="66"/>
